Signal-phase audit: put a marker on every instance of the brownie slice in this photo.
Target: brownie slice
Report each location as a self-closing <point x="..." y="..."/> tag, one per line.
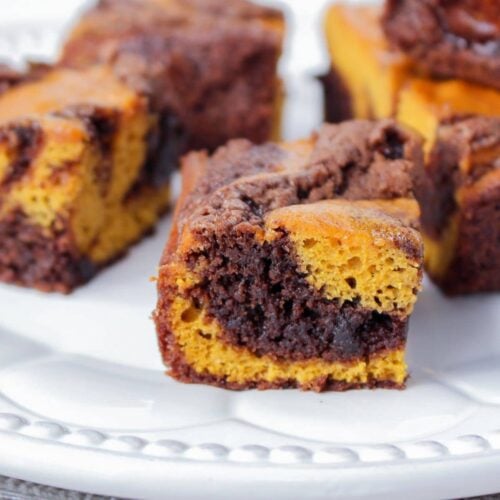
<point x="81" y="176"/>
<point x="294" y="264"/>
<point x="211" y="66"/>
<point x="460" y="200"/>
<point x="448" y="38"/>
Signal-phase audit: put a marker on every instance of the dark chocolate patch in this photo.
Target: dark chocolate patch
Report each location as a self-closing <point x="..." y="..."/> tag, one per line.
<point x="23" y="141"/>
<point x="101" y="125"/>
<point x="166" y="142"/>
<point x="47" y="260"/>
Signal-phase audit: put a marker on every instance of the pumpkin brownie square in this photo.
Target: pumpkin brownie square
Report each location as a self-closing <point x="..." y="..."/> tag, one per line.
<point x="294" y="264"/>
<point x="460" y="200"/>
<point x="81" y="176"/>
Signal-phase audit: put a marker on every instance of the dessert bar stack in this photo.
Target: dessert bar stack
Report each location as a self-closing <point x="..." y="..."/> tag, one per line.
<point x="435" y="66"/>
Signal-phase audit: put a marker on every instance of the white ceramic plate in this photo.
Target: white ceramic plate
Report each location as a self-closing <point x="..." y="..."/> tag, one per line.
<point x="84" y="403"/>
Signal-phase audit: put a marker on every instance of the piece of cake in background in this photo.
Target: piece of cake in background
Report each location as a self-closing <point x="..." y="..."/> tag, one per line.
<point x="448" y="39"/>
<point x="294" y="264"/>
<point x="81" y="176"/>
<point x="460" y="202"/>
<point x="371" y="78"/>
<point x="211" y="65"/>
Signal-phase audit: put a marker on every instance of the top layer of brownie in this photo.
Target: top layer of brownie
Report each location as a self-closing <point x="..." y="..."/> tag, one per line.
<point x="354" y="160"/>
<point x="448" y="38"/>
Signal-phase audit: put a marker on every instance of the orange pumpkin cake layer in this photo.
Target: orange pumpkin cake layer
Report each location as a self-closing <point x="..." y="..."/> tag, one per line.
<point x="81" y="176"/>
<point x="294" y="264"/>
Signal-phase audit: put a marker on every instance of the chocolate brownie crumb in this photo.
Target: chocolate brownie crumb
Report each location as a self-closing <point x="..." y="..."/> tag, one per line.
<point x="347" y="161"/>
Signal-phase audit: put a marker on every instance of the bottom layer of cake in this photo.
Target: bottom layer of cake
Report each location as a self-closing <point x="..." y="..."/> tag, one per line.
<point x="186" y="374"/>
<point x="198" y="353"/>
<point x="50" y="261"/>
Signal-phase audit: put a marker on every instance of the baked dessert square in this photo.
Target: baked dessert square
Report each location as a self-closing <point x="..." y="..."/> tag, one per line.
<point x="460" y="200"/>
<point x="457" y="39"/>
<point x="210" y="65"/>
<point x="81" y="176"/>
<point x="294" y="264"/>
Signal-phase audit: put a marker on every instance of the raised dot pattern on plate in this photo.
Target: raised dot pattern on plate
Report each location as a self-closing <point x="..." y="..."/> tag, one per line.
<point x="251" y="453"/>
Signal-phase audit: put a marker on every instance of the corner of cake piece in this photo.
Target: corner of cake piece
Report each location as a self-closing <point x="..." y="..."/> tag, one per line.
<point x="295" y="264"/>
